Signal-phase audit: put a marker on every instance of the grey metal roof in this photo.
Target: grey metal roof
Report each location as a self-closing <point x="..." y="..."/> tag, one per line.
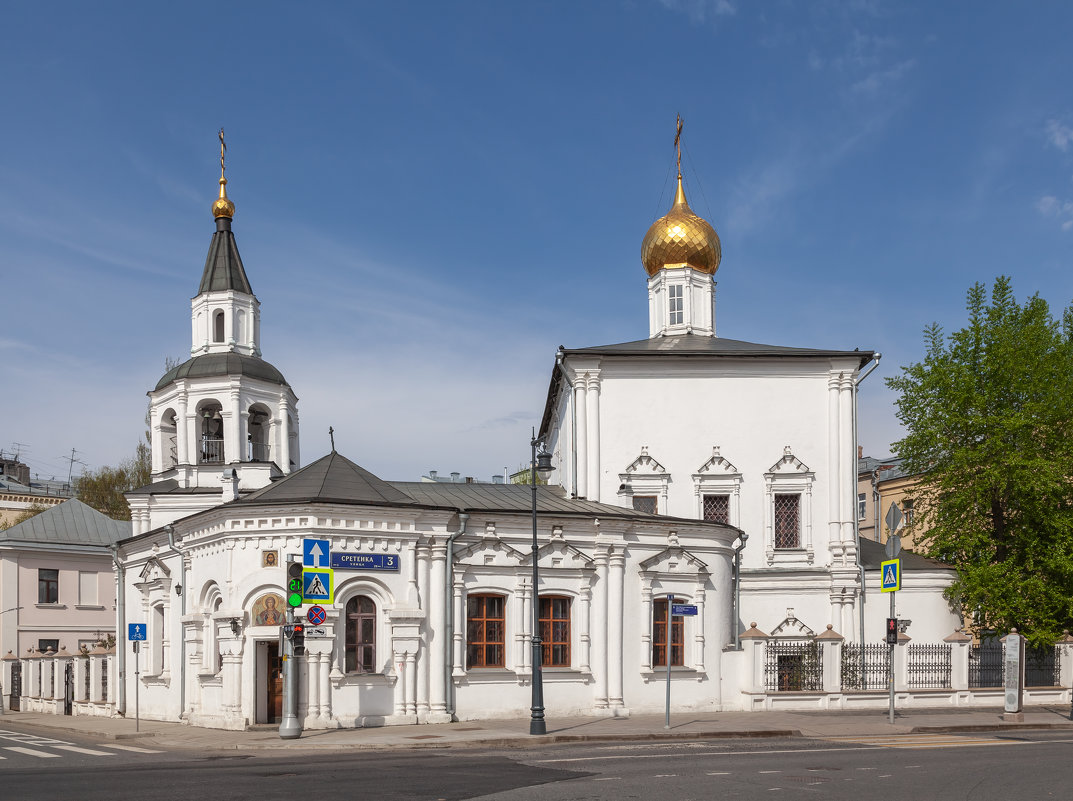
<point x="216" y="364"/>
<point x="68" y="523"/>
<point x="332" y="478"/>
<point x="872" y="554"/>
<point x="698" y="345"/>
<point x="171" y="487"/>
<point x="223" y="265"/>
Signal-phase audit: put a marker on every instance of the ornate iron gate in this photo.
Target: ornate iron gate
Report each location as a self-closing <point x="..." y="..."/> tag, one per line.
<point x="16" y="685"/>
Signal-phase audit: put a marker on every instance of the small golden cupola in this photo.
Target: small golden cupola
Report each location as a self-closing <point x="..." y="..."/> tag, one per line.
<point x="681" y="238"/>
<point x="223" y="207"/>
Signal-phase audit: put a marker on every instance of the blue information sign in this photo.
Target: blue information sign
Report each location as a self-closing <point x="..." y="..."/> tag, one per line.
<point x="136" y="632"/>
<point x="364" y="561"/>
<point x="680" y="610"/>
<point x="315" y="553"/>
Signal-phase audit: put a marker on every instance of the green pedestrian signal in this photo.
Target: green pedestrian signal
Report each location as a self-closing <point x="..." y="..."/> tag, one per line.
<point x="294" y="584"/>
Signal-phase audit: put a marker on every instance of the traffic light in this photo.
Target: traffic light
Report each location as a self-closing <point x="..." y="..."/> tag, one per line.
<point x="892" y="631"/>
<point x="294" y="584"/>
<point x="298" y="639"/>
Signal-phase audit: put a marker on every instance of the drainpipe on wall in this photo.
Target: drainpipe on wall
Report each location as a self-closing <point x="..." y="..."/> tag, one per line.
<point x="559" y="356"/>
<point x="121" y="624"/>
<point x="856" y="518"/>
<point x="742" y="538"/>
<point x="448" y="644"/>
<point x="181" y="589"/>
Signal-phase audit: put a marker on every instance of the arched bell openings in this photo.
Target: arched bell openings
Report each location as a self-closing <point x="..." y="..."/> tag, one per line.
<point x="169" y="443"/>
<point x="210" y="432"/>
<point x="257" y="437"/>
<point x="218" y="325"/>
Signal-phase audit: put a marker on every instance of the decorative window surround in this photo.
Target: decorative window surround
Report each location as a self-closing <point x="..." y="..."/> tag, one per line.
<point x="644" y="476"/>
<point x="675" y="570"/>
<point x="791" y="627"/>
<point x="718" y="476"/>
<point x="789" y="476"/>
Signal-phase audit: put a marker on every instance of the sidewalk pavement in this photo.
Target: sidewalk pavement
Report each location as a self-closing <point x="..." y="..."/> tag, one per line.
<point x="514" y="733"/>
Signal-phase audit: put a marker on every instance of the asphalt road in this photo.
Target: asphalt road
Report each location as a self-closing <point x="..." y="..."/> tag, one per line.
<point x="1024" y="767"/>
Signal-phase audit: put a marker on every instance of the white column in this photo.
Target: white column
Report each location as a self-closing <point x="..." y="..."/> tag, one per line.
<point x="524" y="628"/>
<point x="423" y="663"/>
<point x="236" y="438"/>
<point x="284" y="438"/>
<point x="615" y="612"/>
<point x="582" y="445"/>
<point x="323" y="668"/>
<point x="411" y="683"/>
<point x="459" y="668"/>
<point x="436" y="624"/>
<point x="312" y="686"/>
<point x="847" y="478"/>
<point x="833" y="474"/>
<point x="592" y="400"/>
<point x="699" y="628"/>
<point x="646" y="626"/>
<point x="584" y="611"/>
<point x="401" y="682"/>
<point x="599" y="642"/>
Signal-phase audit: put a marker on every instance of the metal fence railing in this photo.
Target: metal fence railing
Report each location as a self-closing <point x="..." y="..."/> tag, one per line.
<point x="1043" y="667"/>
<point x="985" y="664"/>
<point x="929" y="666"/>
<point x="793" y="666"/>
<point x="865" y="667"/>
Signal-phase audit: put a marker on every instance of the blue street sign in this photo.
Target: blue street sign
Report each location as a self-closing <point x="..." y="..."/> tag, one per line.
<point x="318" y="585"/>
<point x="680" y="610"/>
<point x="136" y="632"/>
<point x="365" y="561"/>
<point x="892" y="575"/>
<point x="316" y="553"/>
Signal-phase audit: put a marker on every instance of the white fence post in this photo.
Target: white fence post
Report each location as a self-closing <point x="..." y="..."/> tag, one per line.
<point x="832" y="641"/>
<point x="959" y="643"/>
<point x="752" y="641"/>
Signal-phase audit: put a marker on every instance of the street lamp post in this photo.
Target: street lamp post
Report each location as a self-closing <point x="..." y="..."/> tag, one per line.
<point x="539" y="462"/>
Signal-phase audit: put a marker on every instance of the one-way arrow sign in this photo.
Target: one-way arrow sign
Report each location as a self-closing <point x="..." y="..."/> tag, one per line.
<point x="316" y="553"/>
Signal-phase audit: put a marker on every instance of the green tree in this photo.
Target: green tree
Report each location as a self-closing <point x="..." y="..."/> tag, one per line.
<point x="988" y="416"/>
<point x="103" y="489"/>
<point x="23" y="516"/>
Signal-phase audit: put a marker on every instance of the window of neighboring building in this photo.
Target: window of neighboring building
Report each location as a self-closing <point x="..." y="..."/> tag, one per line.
<point x="555" y="631"/>
<point x="675" y="308"/>
<point x="907" y="507"/>
<point x="44" y="645"/>
<point x="644" y="503"/>
<point x="48" y="586"/>
<point x="862" y="506"/>
<point x="787" y="521"/>
<point x="485" y="631"/>
<point x="717" y="508"/>
<point x="659" y="637"/>
<point x="87" y="588"/>
<point x="361" y="635"/>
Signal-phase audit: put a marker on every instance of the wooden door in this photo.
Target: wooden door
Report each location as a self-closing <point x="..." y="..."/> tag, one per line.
<point x="274" y="705"/>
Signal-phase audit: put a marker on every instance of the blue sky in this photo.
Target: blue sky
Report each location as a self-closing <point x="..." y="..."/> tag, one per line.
<point x="431" y="198"/>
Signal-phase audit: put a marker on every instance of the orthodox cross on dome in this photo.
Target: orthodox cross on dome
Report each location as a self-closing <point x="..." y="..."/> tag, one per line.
<point x="677" y="145"/>
<point x="331" y="436"/>
<point x="223" y="151"/>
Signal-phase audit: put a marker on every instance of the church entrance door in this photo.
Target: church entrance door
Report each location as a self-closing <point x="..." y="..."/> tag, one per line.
<point x="274" y="685"/>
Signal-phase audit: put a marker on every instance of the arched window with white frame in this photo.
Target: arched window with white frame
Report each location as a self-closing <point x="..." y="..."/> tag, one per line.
<point x="360" y="645"/>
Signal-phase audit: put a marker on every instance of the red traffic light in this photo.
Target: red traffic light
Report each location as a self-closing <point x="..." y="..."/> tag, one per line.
<point x="892" y="631"/>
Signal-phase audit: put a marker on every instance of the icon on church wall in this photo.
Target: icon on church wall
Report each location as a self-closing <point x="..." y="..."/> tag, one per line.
<point x="268" y="610"/>
<point x="269" y="558"/>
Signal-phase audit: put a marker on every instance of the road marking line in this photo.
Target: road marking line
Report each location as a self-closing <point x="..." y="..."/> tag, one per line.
<point x="88" y="751"/>
<point x="31" y="752"/>
<point x="719" y="773"/>
<point x="715" y="754"/>
<point x="607" y="779"/>
<point x="665" y="775"/>
<point x="133" y="748"/>
<point x="769" y="771"/>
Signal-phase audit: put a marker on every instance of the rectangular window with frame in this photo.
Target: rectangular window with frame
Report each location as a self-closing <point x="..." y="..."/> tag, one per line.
<point x="717" y="509"/>
<point x="659" y="636"/>
<point x="87" y="588"/>
<point x="787" y="521"/>
<point x="555" y="631"/>
<point x="48" y="586"/>
<point x="908" y="508"/>
<point x="675" y="309"/>
<point x="486" y="625"/>
<point x="862" y="506"/>
<point x="645" y="503"/>
<point x="44" y="645"/>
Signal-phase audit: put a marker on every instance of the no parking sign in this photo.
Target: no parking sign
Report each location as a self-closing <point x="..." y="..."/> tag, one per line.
<point x="315" y="615"/>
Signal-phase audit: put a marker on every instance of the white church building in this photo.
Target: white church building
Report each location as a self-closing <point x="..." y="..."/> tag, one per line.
<point x="675" y="457"/>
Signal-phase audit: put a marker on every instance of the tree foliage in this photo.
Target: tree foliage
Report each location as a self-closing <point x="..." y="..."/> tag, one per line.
<point x="103" y="489"/>
<point x="23" y="516"/>
<point x="988" y="416"/>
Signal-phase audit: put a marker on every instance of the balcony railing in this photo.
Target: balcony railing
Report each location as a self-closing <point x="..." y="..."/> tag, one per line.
<point x="259" y="452"/>
<point x="212" y="451"/>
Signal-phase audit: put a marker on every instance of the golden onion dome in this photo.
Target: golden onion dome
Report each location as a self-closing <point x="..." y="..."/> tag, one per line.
<point x="681" y="238"/>
<point x="223" y="207"/>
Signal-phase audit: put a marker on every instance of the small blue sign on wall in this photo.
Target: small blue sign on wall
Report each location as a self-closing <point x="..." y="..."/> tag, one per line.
<point x="136" y="632"/>
<point x="364" y="561"/>
<point x="680" y="610"/>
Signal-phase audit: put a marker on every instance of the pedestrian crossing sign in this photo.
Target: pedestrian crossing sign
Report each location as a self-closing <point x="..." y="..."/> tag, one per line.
<point x="318" y="585"/>
<point x="892" y="575"/>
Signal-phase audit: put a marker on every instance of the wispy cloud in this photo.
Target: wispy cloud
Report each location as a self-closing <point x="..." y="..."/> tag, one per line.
<point x="1062" y="210"/>
<point x="700" y="11"/>
<point x="878" y="80"/>
<point x="1059" y="135"/>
